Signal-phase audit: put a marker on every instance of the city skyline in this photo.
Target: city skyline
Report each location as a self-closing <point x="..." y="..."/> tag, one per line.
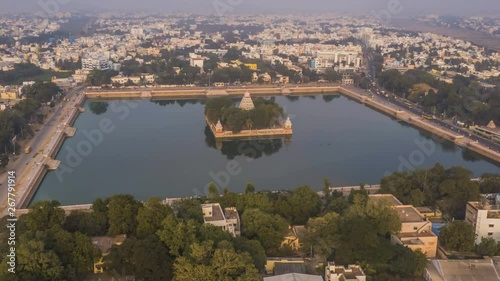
<point x="399" y="7"/>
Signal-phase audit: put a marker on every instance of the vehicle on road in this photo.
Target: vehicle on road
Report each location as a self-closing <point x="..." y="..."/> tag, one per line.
<point x="27" y="150"/>
<point x="428" y="116"/>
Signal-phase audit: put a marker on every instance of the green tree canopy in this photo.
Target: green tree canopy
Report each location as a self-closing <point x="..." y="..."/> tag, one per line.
<point x="323" y="234"/>
<point x="449" y="190"/>
<point x="177" y="234"/>
<point x="27" y="107"/>
<point x="206" y="262"/>
<point x="487" y="247"/>
<point x="41" y="91"/>
<point x="490" y="183"/>
<point x="457" y="236"/>
<point x="254" y="248"/>
<point x="268" y="229"/>
<point x="150" y="217"/>
<point x="146" y="259"/>
<point x="250" y="188"/>
<point x="407" y="263"/>
<point x="305" y="203"/>
<point x="122" y="214"/>
<point x="43" y="215"/>
<point x="363" y="226"/>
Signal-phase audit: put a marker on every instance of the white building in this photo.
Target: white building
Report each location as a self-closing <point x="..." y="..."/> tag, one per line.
<point x="328" y="59"/>
<point x="229" y="220"/>
<point x="340" y="273"/>
<point x="95" y="64"/>
<point x="485" y="218"/>
<point x="219" y="52"/>
<point x="137" y="31"/>
<point x="196" y="61"/>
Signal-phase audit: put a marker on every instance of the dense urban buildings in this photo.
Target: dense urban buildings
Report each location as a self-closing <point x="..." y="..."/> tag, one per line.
<point x="235" y="80"/>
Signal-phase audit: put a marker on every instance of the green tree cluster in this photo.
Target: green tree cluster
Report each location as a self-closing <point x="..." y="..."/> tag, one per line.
<point x="265" y="114"/>
<point x="489" y="183"/>
<point x="45" y="250"/>
<point x="69" y="64"/>
<point x="16" y="122"/>
<point x="463" y="98"/>
<point x="457" y="236"/>
<point x="26" y="72"/>
<point x="41" y="91"/>
<point x="100" y="77"/>
<point x="165" y="245"/>
<point x="449" y="190"/>
<point x="362" y="235"/>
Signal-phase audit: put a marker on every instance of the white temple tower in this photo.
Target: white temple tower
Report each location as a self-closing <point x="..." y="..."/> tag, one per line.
<point x="247" y="103"/>
<point x="288" y="124"/>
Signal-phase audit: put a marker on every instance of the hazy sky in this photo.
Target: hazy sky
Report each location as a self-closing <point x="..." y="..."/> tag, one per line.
<point x="408" y="7"/>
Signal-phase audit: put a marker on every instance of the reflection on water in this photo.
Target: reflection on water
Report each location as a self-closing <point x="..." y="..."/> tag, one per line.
<point x="181" y="103"/>
<point x="254" y="148"/>
<point x="472" y="156"/>
<point x="444" y="144"/>
<point x="163" y="148"/>
<point x="329" y="98"/>
<point x="98" y="107"/>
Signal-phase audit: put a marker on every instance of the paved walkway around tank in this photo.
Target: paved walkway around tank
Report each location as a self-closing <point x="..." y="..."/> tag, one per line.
<point x="28" y="162"/>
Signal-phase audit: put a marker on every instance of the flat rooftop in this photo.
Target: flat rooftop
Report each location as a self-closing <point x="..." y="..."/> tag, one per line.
<point x="216" y="214"/>
<point x="387" y="197"/>
<point x="415" y="235"/>
<point x="484" y="206"/>
<point x="351" y="272"/>
<point x="292" y="267"/>
<point x="231" y="213"/>
<point x="408" y="213"/>
<point x="465" y="270"/>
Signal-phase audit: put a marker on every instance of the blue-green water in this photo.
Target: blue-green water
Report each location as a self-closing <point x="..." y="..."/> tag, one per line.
<point x="164" y="149"/>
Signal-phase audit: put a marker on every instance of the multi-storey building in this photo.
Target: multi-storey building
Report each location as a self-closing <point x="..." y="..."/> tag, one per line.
<point x="95" y="64"/>
<point x="340" y="273"/>
<point x="484" y="216"/>
<point x="228" y="220"/>
<point x="416" y="231"/>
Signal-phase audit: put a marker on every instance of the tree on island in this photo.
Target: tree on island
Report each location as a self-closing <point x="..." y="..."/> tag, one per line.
<point x="264" y="115"/>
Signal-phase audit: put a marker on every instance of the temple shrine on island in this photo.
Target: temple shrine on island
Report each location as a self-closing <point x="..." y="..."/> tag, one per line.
<point x="247" y="104"/>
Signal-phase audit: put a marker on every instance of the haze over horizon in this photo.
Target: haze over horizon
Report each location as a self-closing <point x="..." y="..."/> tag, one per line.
<point x="408" y="7"/>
